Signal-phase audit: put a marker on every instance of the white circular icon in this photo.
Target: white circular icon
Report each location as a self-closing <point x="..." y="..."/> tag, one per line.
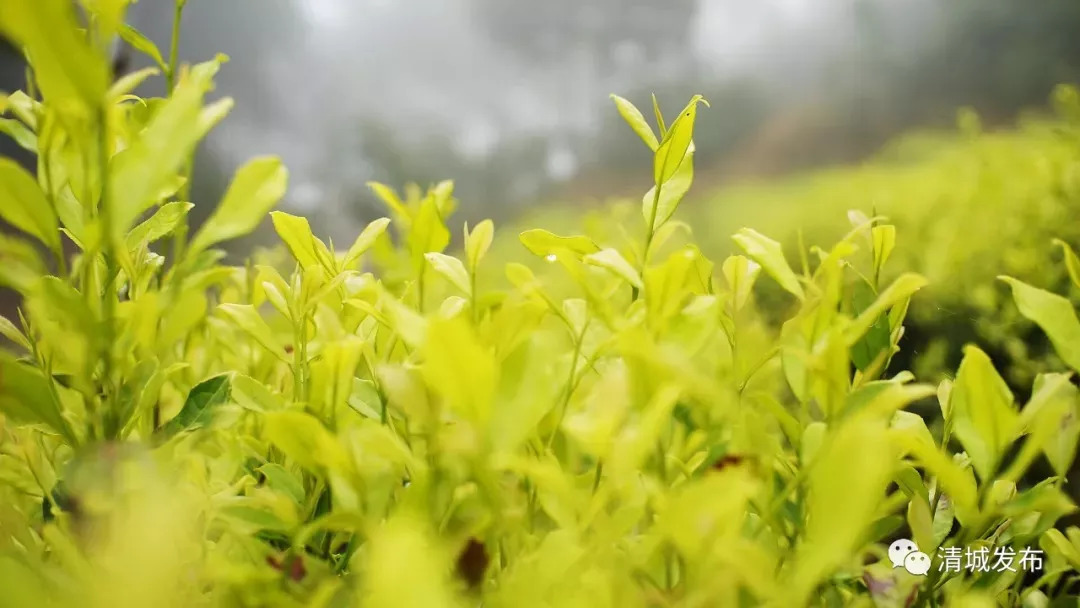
<point x="917" y="563"/>
<point x="899" y="550"/>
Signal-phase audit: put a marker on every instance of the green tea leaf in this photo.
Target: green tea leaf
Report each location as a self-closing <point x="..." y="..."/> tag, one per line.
<point x="367" y="238"/>
<point x="613" y="261"/>
<point x="1072" y="262"/>
<point x="659" y="118"/>
<point x="740" y="273"/>
<point x="297" y="236"/>
<point x="452" y="269"/>
<point x="390" y="198"/>
<point x="129" y="82"/>
<point x="23" y="204"/>
<point x="144" y="45"/>
<point x="282" y="480"/>
<point x="199" y="405"/>
<point x="544" y="243"/>
<point x="248" y="319"/>
<point x="673" y="150"/>
<point x="884" y="239"/>
<point x="847" y="479"/>
<point x="427" y="233"/>
<point x="253" y="395"/>
<point x="876" y="341"/>
<point x="984" y="416"/>
<point x="900" y="289"/>
<point x="23" y="136"/>
<point x="306" y="441"/>
<point x="659" y="209"/>
<point x="163" y="222"/>
<point x="138" y="175"/>
<point x="770" y="256"/>
<point x="1054" y="314"/>
<point x="1054" y="404"/>
<point x="477" y="242"/>
<point x="457" y="366"/>
<point x="637" y="122"/>
<point x="255" y="189"/>
<point x="9" y="331"/>
<point x="66" y="67"/>
<point x="27" y="398"/>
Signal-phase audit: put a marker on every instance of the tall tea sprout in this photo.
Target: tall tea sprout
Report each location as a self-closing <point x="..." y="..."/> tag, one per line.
<point x="673" y="162"/>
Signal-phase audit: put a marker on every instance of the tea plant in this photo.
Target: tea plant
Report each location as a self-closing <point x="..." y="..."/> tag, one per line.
<point x="376" y="426"/>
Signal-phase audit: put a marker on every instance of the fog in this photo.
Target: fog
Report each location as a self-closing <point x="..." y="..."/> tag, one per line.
<point x="510" y="98"/>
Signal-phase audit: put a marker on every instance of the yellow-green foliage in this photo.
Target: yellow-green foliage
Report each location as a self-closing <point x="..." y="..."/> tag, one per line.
<point x="971" y="205"/>
<point x="616" y="426"/>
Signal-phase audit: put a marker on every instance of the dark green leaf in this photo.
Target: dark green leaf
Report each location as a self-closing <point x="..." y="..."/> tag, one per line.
<point x="199" y="405"/>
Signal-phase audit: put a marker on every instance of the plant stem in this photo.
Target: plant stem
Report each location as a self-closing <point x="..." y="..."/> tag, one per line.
<point x="180" y="235"/>
<point x="570" y="385"/>
<point x="111" y="271"/>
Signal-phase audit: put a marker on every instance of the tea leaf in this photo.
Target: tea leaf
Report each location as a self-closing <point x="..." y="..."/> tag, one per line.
<point x="637" y="122"/>
<point x="1072" y="262"/>
<point x="26" y="397"/>
<point x="478" y="242"/>
<point x="740" y="274"/>
<point x="1055" y="403"/>
<point x="543" y="243"/>
<point x="659" y="118"/>
<point x="163" y="222"/>
<point x="613" y="261"/>
<point x="199" y="405"/>
<point x="673" y="149"/>
<point x="305" y="440"/>
<point x="452" y="269"/>
<point x="142" y="44"/>
<point x="427" y="233"/>
<point x="297" y="236"/>
<point x="770" y="256"/>
<point x="9" y="331"/>
<point x="876" y="341"/>
<point x="901" y="289"/>
<point x="248" y="319"/>
<point x="365" y="240"/>
<point x="387" y="195"/>
<point x="65" y="66"/>
<point x="984" y="417"/>
<point x="23" y="204"/>
<point x="849" y="474"/>
<point x="253" y="395"/>
<point x="255" y="189"/>
<point x="659" y="210"/>
<point x="138" y="174"/>
<point x="121" y="89"/>
<point x="459" y="368"/>
<point x="1054" y="314"/>
<point x="23" y="136"/>
<point x="884" y="238"/>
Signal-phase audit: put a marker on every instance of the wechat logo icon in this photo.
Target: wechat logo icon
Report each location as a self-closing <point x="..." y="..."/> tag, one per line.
<point x="905" y="554"/>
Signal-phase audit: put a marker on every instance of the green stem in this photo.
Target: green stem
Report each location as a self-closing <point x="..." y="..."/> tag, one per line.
<point x="570" y="385"/>
<point x="174" y="49"/>
<point x="650" y="232"/>
<point x="111" y="270"/>
<point x="472" y="298"/>
<point x="180" y="235"/>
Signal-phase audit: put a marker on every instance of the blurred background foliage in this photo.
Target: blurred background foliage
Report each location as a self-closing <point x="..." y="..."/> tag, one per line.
<point x="510" y="99"/>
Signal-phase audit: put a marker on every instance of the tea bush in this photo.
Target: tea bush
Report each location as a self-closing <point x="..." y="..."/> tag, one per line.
<point x="972" y="204"/>
<point x="376" y="426"/>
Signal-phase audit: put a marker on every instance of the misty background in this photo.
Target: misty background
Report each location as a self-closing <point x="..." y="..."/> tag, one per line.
<point x="510" y="97"/>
